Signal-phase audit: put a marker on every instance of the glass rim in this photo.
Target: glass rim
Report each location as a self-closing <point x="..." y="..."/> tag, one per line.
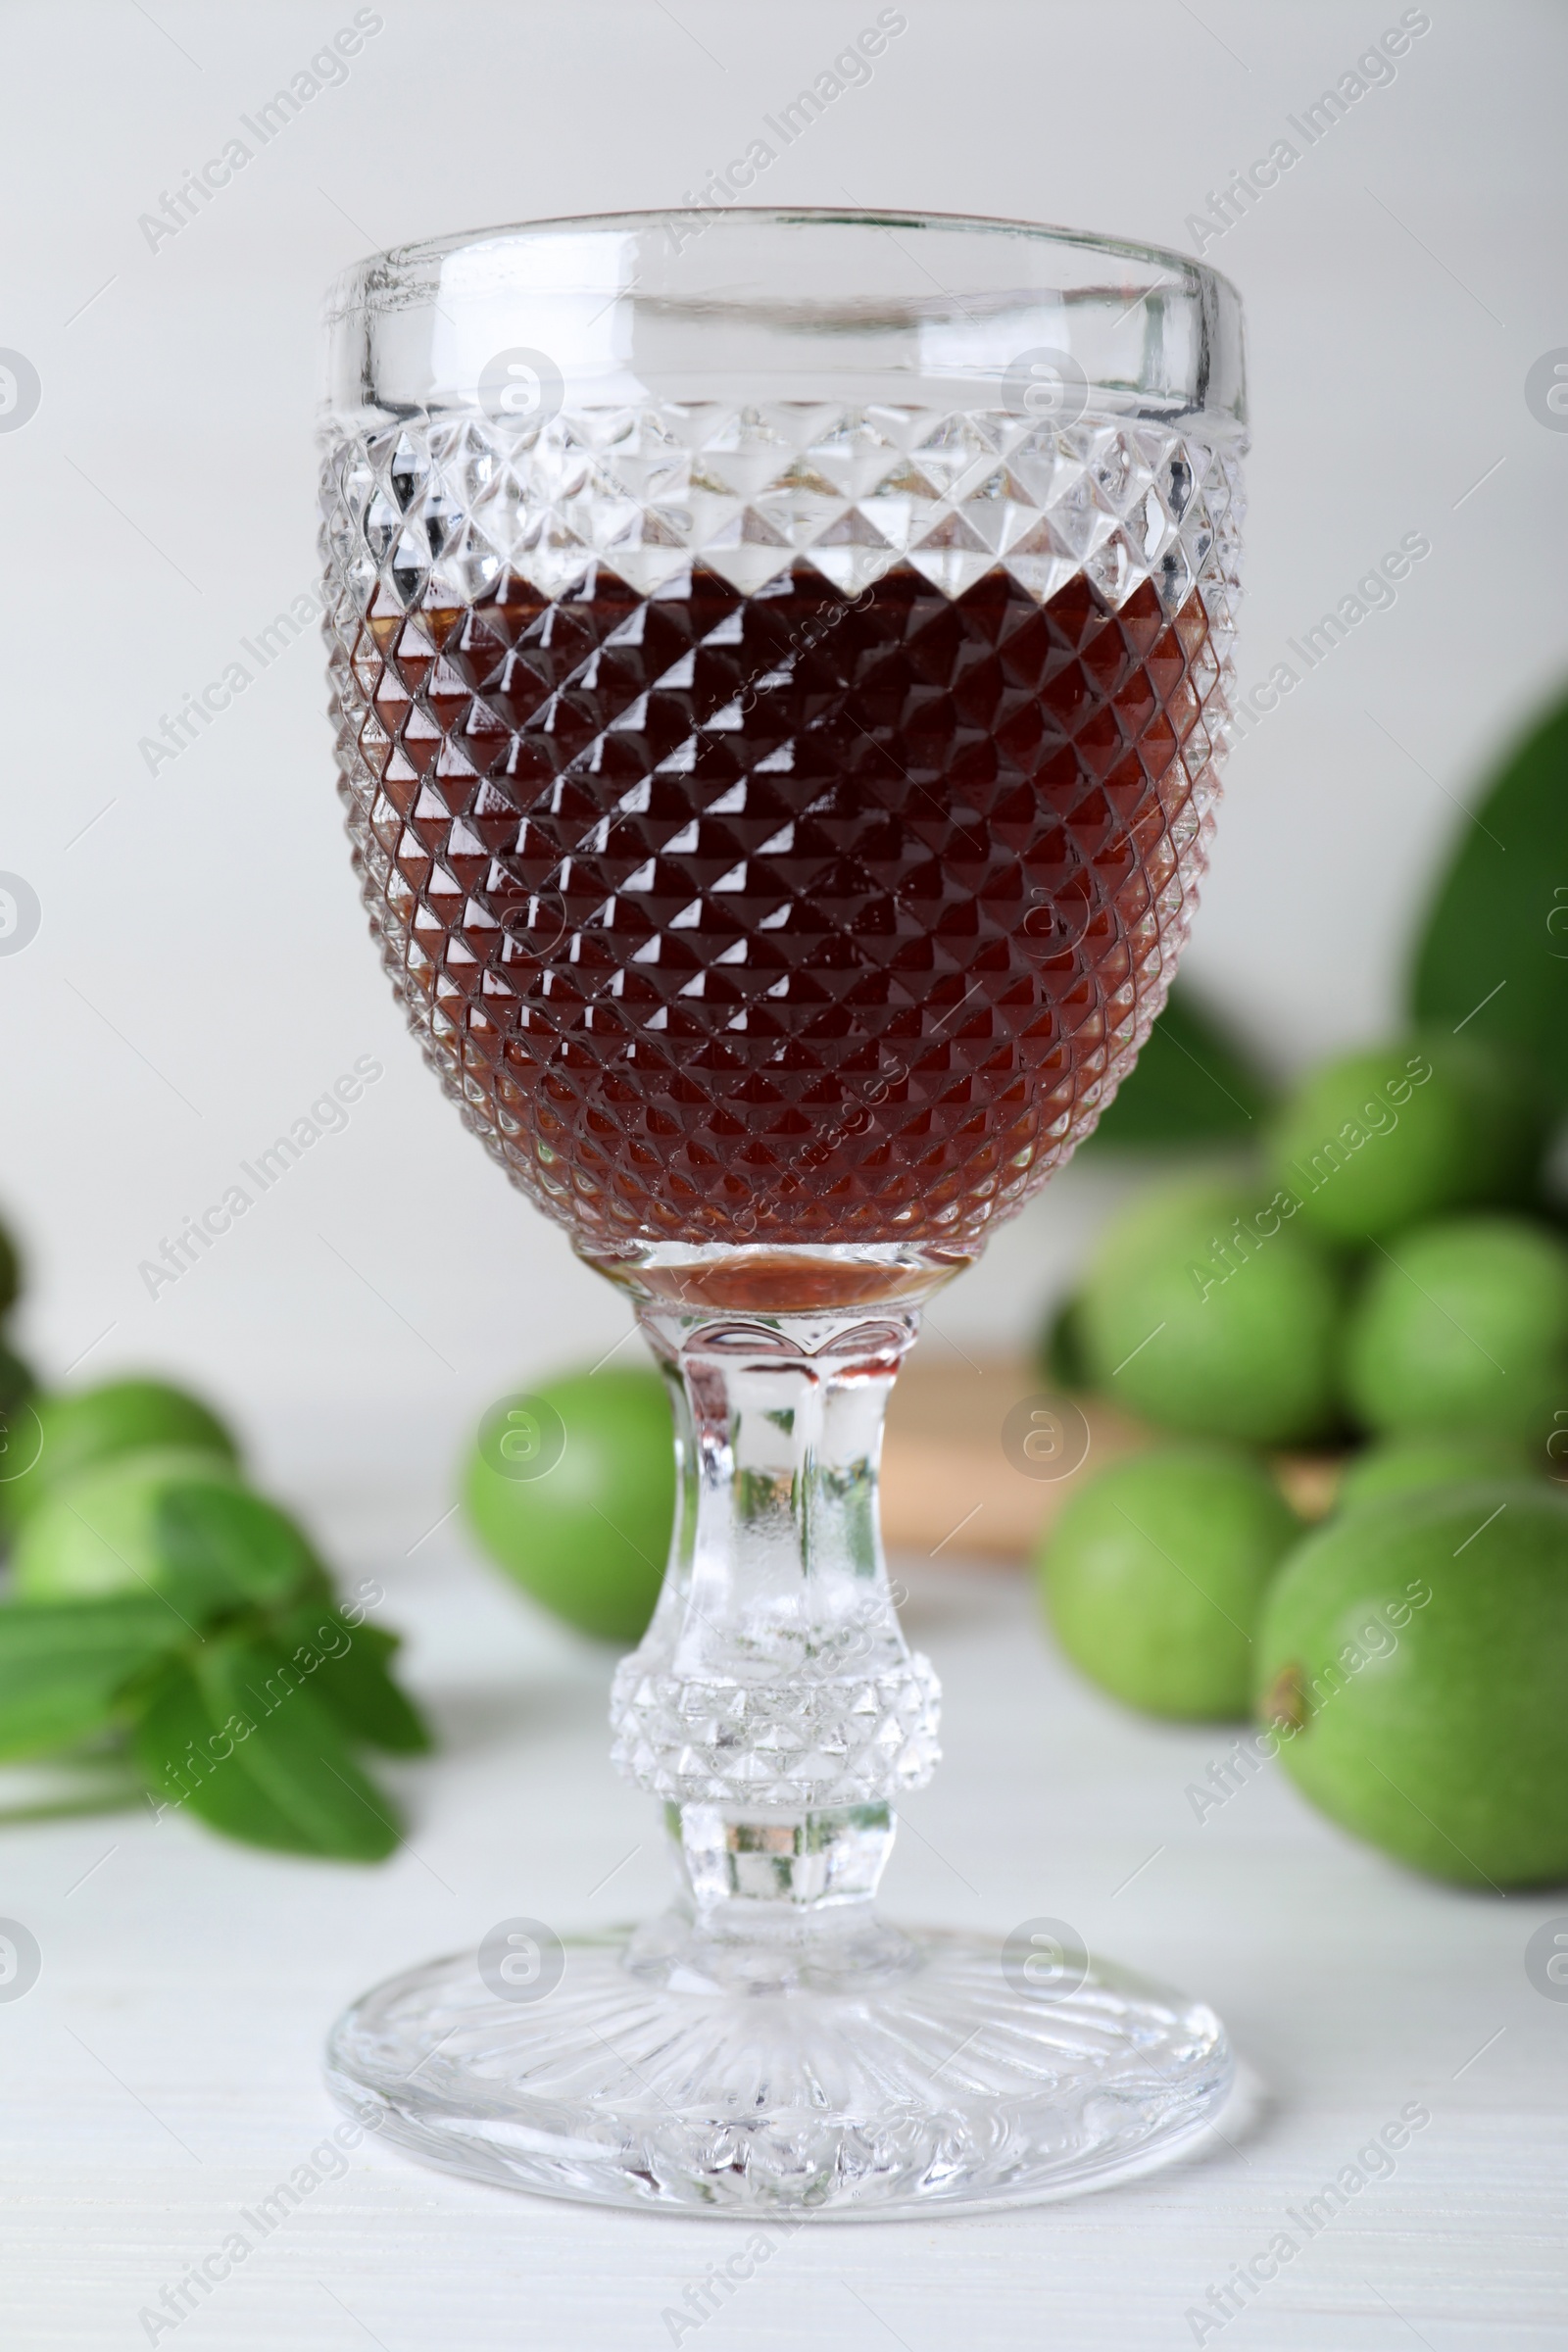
<point x="787" y="303"/>
<point x="352" y="277"/>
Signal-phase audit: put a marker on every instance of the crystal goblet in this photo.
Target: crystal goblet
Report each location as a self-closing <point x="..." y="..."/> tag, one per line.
<point x="780" y="663"/>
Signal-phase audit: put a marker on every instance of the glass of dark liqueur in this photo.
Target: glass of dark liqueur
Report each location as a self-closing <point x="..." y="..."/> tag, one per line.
<point x="780" y="663"/>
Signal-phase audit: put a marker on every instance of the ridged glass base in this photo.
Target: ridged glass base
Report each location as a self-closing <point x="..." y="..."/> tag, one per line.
<point x="958" y="2076"/>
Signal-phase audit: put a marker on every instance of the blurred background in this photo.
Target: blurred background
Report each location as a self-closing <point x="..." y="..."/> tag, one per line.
<point x="201" y="974"/>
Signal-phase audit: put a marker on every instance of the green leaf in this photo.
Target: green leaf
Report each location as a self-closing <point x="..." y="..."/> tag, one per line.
<point x="17" y="1382"/>
<point x="350" y="1677"/>
<point x="224" y="1545"/>
<point x="241" y="1741"/>
<point x="1062" y="1349"/>
<point x="295" y="1752"/>
<point x="189" y="1759"/>
<point x="64" y="1664"/>
<point x="1491" y="961"/>
<point x="1192" y="1085"/>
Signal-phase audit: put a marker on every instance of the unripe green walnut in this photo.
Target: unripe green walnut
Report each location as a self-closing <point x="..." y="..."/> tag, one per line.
<point x="1211" y="1312"/>
<point x="1374" y="1140"/>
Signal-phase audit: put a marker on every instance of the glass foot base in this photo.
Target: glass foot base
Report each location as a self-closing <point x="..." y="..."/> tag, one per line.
<point x="951" y="2083"/>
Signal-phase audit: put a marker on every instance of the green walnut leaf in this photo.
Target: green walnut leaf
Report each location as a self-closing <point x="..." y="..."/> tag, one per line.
<point x="17" y="1383"/>
<point x="237" y="1736"/>
<point x="1192" y="1085"/>
<point x="295" y="1750"/>
<point x="10" y="1271"/>
<point x="1491" y="961"/>
<point x="189" y="1757"/>
<point x="64" y="1665"/>
<point x="1061" y="1348"/>
<point x="224" y="1547"/>
<point x="350" y="1677"/>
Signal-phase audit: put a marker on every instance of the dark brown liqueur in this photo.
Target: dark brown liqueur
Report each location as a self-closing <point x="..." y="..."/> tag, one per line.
<point x="791" y="917"/>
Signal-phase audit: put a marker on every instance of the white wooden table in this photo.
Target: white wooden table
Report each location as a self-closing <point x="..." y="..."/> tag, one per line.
<point x="162" y="2074"/>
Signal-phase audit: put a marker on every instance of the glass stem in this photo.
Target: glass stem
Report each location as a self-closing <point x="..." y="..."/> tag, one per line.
<point x="773" y="1704"/>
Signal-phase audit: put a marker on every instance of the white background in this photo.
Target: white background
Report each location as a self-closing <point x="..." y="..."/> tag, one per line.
<point x="1399" y="282"/>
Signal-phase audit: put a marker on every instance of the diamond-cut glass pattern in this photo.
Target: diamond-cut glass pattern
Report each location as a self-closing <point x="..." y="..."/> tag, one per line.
<point x="785" y="1744"/>
<point x="780" y="823"/>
